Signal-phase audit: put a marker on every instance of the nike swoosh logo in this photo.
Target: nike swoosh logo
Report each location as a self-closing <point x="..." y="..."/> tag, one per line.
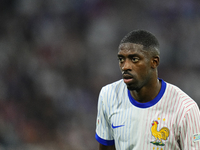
<point x="114" y="127"/>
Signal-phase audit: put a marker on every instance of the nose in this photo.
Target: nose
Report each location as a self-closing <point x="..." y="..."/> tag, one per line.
<point x="126" y="65"/>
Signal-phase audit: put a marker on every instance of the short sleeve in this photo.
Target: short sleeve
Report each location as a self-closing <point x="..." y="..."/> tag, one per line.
<point x="103" y="128"/>
<point x="190" y="129"/>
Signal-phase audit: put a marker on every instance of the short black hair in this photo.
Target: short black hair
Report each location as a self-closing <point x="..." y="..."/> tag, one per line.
<point x="143" y="37"/>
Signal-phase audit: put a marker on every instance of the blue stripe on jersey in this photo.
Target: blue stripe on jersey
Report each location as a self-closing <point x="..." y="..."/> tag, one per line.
<point x="152" y="102"/>
<point x="104" y="142"/>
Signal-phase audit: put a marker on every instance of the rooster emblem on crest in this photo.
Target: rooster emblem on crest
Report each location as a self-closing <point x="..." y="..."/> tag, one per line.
<point x="160" y="135"/>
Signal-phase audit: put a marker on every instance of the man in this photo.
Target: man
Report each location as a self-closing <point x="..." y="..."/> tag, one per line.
<point x="141" y="111"/>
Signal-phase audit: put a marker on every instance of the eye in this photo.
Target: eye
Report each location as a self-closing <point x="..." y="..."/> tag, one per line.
<point x="121" y="59"/>
<point x="135" y="59"/>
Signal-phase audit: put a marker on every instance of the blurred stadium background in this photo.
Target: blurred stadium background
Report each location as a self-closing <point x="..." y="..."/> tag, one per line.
<point x="55" y="55"/>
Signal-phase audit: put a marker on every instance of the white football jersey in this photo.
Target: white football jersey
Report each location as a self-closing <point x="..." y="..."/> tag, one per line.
<point x="171" y="121"/>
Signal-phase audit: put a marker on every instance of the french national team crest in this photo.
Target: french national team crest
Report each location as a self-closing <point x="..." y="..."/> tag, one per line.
<point x="159" y="135"/>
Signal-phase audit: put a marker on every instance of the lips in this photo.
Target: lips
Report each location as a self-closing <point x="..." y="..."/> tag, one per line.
<point x="127" y="78"/>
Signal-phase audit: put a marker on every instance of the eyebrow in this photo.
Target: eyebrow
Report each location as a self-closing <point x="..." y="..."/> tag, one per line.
<point x="130" y="55"/>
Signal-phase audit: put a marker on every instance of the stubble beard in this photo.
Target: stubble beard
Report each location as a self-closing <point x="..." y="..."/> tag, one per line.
<point x="133" y="87"/>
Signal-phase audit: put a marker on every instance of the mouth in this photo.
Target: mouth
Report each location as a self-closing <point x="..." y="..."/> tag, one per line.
<point x="127" y="78"/>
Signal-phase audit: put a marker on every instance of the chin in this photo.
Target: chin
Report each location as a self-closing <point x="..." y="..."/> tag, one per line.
<point x="132" y="88"/>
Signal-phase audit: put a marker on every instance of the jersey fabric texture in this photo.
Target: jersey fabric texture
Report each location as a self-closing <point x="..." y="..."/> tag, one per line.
<point x="171" y="121"/>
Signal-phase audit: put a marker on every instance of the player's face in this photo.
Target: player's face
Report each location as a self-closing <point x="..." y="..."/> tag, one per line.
<point x="135" y="64"/>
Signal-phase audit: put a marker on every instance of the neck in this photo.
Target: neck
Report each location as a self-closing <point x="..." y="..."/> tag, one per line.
<point x="148" y="92"/>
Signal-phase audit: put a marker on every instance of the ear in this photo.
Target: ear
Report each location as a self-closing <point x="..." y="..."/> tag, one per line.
<point x="155" y="60"/>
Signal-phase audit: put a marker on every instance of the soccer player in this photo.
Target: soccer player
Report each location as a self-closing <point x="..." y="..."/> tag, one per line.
<point x="142" y="111"/>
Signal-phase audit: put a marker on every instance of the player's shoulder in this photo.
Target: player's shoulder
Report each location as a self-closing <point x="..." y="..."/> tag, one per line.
<point x="180" y="95"/>
<point x="115" y="84"/>
<point x="112" y="93"/>
<point x="176" y="90"/>
<point x="113" y="87"/>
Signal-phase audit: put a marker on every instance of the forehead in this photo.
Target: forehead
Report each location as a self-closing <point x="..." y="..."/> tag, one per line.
<point x="131" y="48"/>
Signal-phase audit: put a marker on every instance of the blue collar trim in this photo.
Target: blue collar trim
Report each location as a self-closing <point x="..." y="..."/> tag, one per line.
<point x="152" y="102"/>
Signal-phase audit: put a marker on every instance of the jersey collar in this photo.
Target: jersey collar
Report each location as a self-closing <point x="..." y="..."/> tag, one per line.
<point x="152" y="102"/>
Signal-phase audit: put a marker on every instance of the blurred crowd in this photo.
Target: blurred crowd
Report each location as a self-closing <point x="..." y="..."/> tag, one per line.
<point x="55" y="55"/>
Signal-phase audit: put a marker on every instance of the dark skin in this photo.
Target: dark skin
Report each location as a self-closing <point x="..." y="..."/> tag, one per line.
<point x="139" y="69"/>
